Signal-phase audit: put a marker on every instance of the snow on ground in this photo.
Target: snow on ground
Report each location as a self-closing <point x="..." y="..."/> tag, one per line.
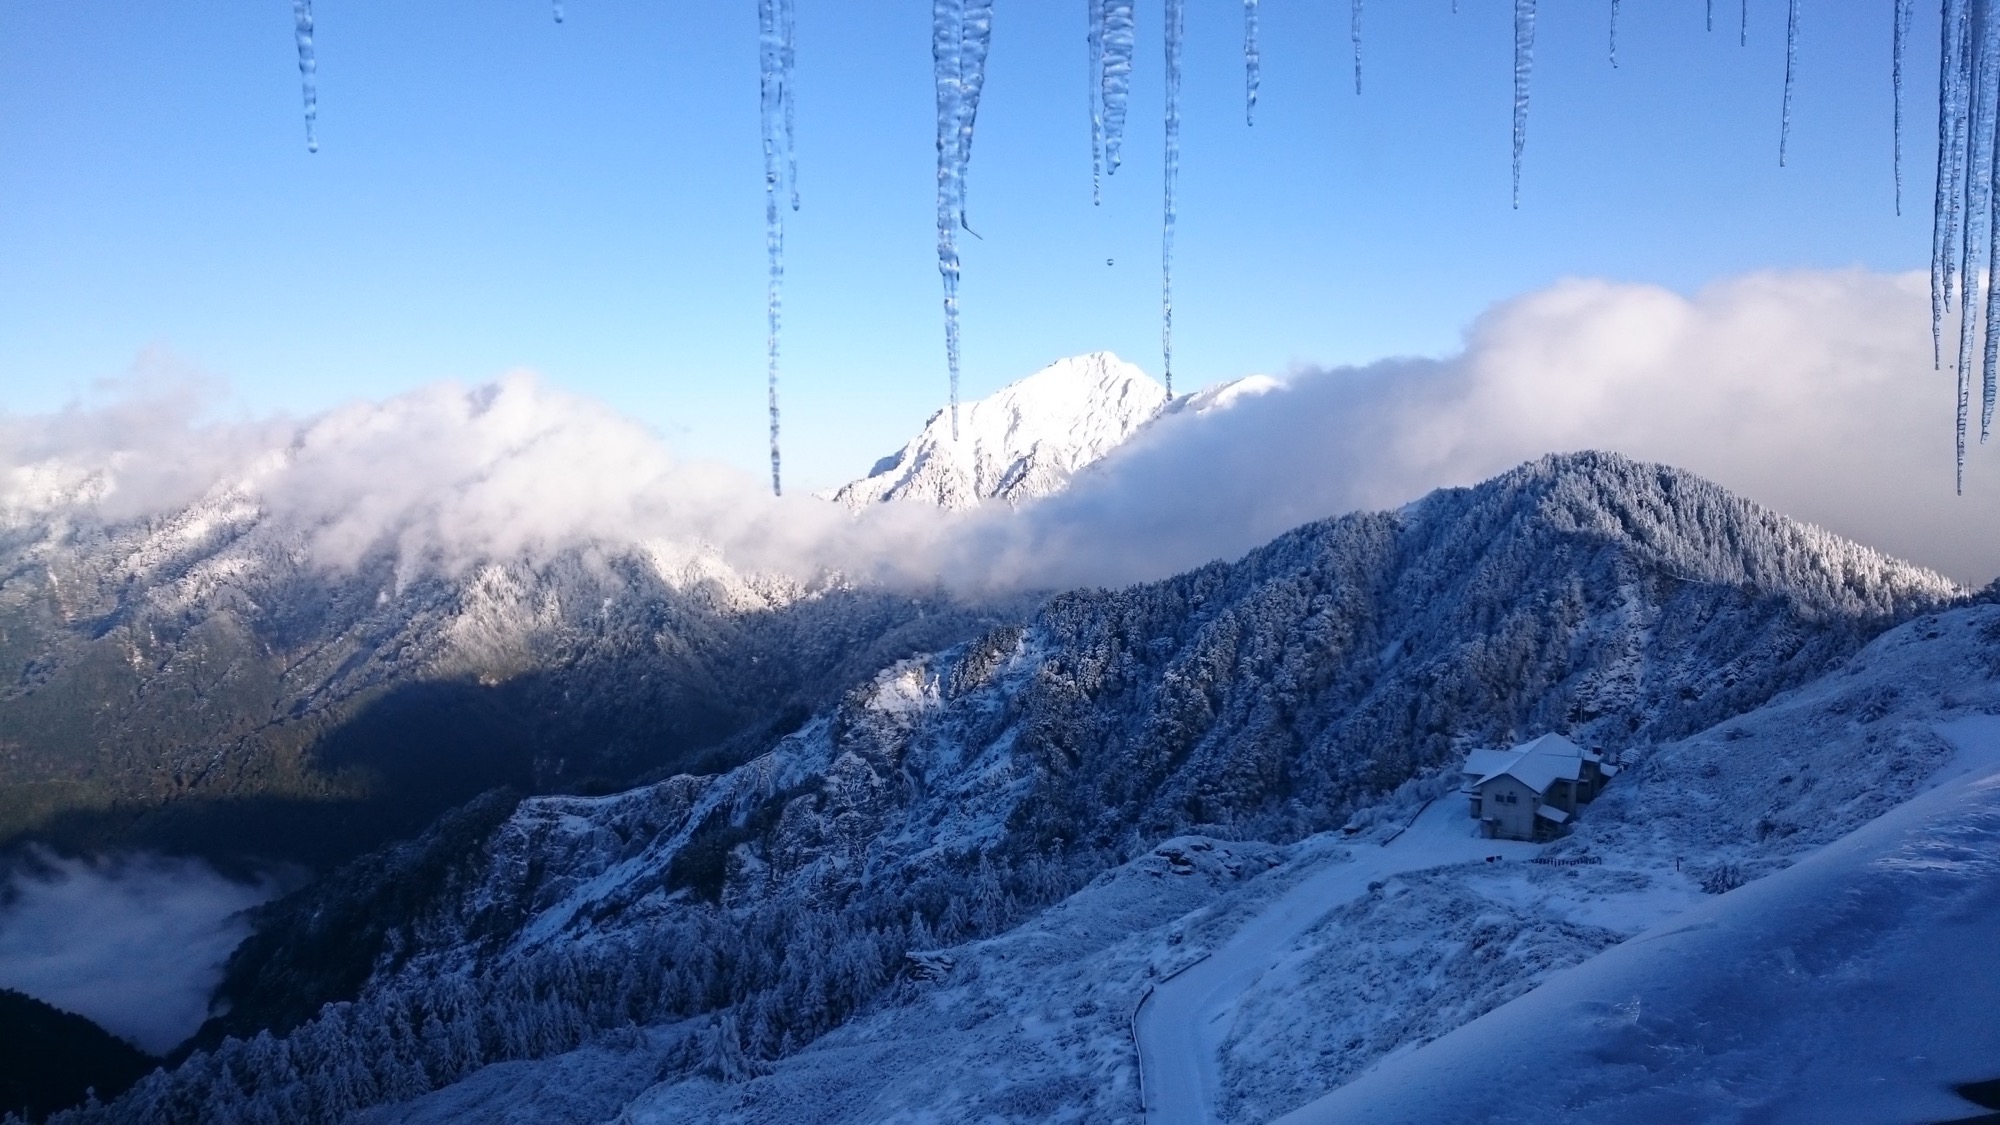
<point x="1860" y="985"/>
<point x="1182" y="1025"/>
<point x="582" y="1087"/>
<point x="1419" y="973"/>
<point x="1747" y="798"/>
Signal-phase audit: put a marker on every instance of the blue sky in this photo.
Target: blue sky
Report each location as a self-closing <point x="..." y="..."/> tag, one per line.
<point x="496" y="191"/>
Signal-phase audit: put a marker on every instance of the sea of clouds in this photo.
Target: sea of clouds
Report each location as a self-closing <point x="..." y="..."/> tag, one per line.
<point x="136" y="944"/>
<point x="1811" y="392"/>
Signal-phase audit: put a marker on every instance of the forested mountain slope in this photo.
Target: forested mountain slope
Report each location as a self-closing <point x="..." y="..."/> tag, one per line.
<point x="960" y="792"/>
<point x="200" y="682"/>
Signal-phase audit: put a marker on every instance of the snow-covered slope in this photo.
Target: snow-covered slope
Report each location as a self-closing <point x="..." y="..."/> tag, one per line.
<point x="1860" y="986"/>
<point x="1036" y="1024"/>
<point x="961" y="794"/>
<point x="1023" y="442"/>
<point x="1028" y="439"/>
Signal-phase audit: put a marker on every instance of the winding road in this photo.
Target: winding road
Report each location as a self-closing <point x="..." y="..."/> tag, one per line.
<point x="1181" y="1025"/>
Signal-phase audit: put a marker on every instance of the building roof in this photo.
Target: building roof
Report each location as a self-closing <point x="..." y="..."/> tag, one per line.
<point x="1537" y="763"/>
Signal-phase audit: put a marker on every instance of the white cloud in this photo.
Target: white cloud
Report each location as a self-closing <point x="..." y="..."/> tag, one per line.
<point x="1811" y="392"/>
<point x="136" y="945"/>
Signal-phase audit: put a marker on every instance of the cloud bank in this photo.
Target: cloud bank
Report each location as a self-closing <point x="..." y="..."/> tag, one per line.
<point x="136" y="945"/>
<point x="1811" y="392"/>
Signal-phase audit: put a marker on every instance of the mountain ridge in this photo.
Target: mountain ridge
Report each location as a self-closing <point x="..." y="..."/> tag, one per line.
<point x="957" y="792"/>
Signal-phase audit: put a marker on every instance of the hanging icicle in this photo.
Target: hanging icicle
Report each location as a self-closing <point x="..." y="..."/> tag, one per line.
<point x="1966" y="210"/>
<point x="559" y="11"/>
<point x="975" y="39"/>
<point x="788" y="46"/>
<point x="1524" y="64"/>
<point x="1743" y="25"/>
<point x="1116" y="35"/>
<point x="1614" y="32"/>
<point x="1898" y="49"/>
<point x="1251" y="62"/>
<point x="1951" y="127"/>
<point x="1708" y="14"/>
<point x="1174" y="21"/>
<point x="1094" y="78"/>
<point x="302" y="29"/>
<point x="774" y="104"/>
<point x="961" y="31"/>
<point x="1354" y="33"/>
<point x="1791" y="72"/>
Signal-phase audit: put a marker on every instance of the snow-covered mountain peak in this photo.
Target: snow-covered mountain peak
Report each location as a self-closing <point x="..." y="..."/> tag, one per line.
<point x="1023" y="442"/>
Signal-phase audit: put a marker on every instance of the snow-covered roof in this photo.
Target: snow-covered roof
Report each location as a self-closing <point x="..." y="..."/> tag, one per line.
<point x="1550" y="812"/>
<point x="1537" y="763"/>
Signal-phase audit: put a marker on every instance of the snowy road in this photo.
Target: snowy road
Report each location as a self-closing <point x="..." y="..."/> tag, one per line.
<point x="1183" y="1023"/>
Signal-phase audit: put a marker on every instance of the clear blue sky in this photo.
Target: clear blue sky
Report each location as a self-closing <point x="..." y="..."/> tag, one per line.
<point x="494" y="190"/>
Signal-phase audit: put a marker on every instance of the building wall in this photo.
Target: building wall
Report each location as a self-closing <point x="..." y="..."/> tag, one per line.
<point x="1513" y="819"/>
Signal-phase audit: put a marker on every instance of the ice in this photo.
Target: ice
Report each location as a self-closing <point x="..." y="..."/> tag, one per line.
<point x="1174" y="14"/>
<point x="1115" y="37"/>
<point x="1791" y="71"/>
<point x="1944" y="207"/>
<point x="1899" y="49"/>
<point x="775" y="56"/>
<point x="975" y="39"/>
<point x="1524" y="63"/>
<point x="1963" y="215"/>
<point x="961" y="32"/>
<point x="1094" y="38"/>
<point x="558" y="11"/>
<point x="1250" y="62"/>
<point x="302" y="26"/>
<point x="1354" y="33"/>
<point x="1614" y="32"/>
<point x="1743" y="25"/>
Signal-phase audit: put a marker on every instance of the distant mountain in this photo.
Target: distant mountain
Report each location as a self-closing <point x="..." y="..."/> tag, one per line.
<point x="743" y="914"/>
<point x="197" y="682"/>
<point x="1028" y="439"/>
<point x="50" y="1059"/>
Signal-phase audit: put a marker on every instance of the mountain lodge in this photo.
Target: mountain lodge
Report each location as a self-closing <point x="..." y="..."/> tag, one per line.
<point x="1531" y="791"/>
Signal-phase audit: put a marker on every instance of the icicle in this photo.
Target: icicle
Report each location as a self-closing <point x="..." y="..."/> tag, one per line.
<point x="559" y="11"/>
<point x="1897" y="51"/>
<point x="961" y="31"/>
<point x="774" y="106"/>
<point x="1743" y="25"/>
<point x="1791" y="71"/>
<point x="1174" y="21"/>
<point x="1978" y="104"/>
<point x="975" y="38"/>
<point x="1116" y="35"/>
<point x="1251" y="62"/>
<point x="1524" y="63"/>
<point x="788" y="55"/>
<point x="1951" y="133"/>
<point x="1095" y="80"/>
<point x="1354" y="32"/>
<point x="1614" y="32"/>
<point x="1708" y="14"/>
<point x="1983" y="237"/>
<point x="945" y="46"/>
<point x="302" y="29"/>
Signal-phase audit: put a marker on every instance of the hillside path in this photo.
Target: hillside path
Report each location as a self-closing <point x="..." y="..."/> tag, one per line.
<point x="1182" y="1025"/>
